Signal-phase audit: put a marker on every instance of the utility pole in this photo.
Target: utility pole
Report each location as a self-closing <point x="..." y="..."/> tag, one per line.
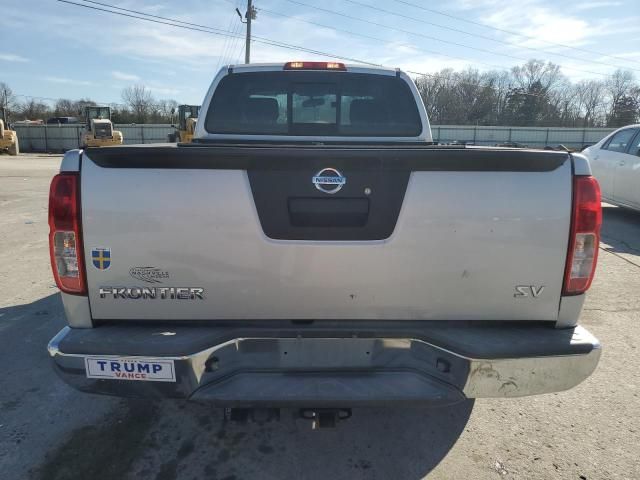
<point x="250" y="15"/>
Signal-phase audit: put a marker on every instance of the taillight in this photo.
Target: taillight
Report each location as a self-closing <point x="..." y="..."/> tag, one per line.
<point x="584" y="238"/>
<point x="315" y="66"/>
<point x="65" y="241"/>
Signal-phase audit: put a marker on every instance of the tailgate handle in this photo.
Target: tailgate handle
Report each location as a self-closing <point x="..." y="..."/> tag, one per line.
<point x="328" y="212"/>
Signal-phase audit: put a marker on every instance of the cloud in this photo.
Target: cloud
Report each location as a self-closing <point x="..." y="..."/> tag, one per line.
<point x="544" y="25"/>
<point x="180" y="62"/>
<point x="592" y="5"/>
<point x="127" y="77"/>
<point x="548" y="33"/>
<point x="541" y="25"/>
<point x="68" y="81"/>
<point x="10" y="57"/>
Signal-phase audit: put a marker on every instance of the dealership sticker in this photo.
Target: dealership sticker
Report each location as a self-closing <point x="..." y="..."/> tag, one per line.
<point x="127" y="368"/>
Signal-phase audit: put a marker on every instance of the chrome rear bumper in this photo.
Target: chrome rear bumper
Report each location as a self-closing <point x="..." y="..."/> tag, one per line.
<point x="337" y="366"/>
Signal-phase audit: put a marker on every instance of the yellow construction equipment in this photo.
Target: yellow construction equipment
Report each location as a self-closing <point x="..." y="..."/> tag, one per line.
<point x="8" y="138"/>
<point x="187" y="118"/>
<point x="99" y="130"/>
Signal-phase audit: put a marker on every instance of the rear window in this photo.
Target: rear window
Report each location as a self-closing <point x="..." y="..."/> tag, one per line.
<point x="313" y="103"/>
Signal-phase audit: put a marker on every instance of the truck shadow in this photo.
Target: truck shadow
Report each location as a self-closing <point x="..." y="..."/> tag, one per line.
<point x="169" y="440"/>
<point x="621" y="230"/>
<point x="46" y="308"/>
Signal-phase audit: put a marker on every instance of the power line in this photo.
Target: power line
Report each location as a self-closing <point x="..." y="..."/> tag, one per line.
<point x="210" y="30"/>
<point x="277" y="43"/>
<point x="234" y="46"/>
<point x="231" y="34"/>
<point x="217" y="31"/>
<point x="238" y="56"/>
<point x="236" y="41"/>
<point x="382" y="40"/>
<point x="511" y="32"/>
<point x="205" y="29"/>
<point x="232" y="41"/>
<point x="429" y="37"/>
<point x="464" y="32"/>
<point x="356" y="34"/>
<point x="386" y="41"/>
<point x="226" y="40"/>
<point x="321" y="9"/>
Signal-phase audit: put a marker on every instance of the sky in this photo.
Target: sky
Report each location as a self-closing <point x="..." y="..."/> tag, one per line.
<point x="50" y="49"/>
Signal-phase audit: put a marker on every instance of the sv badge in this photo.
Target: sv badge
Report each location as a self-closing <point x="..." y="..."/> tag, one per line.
<point x="528" y="291"/>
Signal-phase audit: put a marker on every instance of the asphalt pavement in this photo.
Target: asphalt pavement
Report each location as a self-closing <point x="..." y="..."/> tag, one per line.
<point x="50" y="431"/>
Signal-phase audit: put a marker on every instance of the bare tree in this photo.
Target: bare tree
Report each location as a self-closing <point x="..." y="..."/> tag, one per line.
<point x="533" y="94"/>
<point x="65" y="108"/>
<point x="35" y="110"/>
<point x="618" y="86"/>
<point x="428" y="87"/>
<point x="536" y="73"/>
<point x="120" y="114"/>
<point x="590" y="98"/>
<point x="8" y="100"/>
<point x="81" y="104"/>
<point x="562" y="105"/>
<point x="635" y="95"/>
<point x="139" y="99"/>
<point x="500" y="82"/>
<point x="164" y="111"/>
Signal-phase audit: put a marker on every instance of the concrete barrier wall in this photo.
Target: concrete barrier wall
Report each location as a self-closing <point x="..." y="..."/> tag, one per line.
<point x="536" y="137"/>
<point x="59" y="138"/>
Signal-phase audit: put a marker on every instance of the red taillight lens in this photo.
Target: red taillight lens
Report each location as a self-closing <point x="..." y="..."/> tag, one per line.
<point x="315" y="66"/>
<point x="65" y="241"/>
<point x="584" y="238"/>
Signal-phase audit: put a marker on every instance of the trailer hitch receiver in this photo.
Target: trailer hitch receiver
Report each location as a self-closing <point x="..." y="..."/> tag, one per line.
<point x="325" y="417"/>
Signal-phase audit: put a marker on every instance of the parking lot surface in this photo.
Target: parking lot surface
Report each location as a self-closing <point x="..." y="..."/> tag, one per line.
<point x="49" y="431"/>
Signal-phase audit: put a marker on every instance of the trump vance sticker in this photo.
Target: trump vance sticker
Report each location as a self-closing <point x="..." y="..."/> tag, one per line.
<point x="141" y="369"/>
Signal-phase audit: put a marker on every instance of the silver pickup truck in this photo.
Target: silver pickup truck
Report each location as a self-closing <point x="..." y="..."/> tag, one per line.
<point x="314" y="248"/>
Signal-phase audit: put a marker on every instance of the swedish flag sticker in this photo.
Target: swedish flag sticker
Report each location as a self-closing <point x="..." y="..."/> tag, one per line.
<point x="101" y="258"/>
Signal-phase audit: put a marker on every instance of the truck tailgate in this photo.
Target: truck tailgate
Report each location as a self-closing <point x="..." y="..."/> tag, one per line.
<point x="235" y="233"/>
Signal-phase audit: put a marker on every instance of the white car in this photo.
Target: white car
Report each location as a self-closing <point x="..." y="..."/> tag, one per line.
<point x="615" y="162"/>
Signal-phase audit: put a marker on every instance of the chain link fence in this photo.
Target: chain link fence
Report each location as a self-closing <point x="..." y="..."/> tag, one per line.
<point x="60" y="138"/>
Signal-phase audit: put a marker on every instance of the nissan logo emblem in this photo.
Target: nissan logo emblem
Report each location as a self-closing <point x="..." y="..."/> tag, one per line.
<point x="329" y="180"/>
